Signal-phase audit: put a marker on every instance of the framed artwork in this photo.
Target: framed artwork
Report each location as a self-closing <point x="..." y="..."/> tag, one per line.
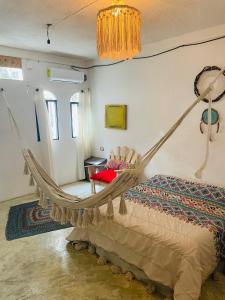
<point x="116" y="116"/>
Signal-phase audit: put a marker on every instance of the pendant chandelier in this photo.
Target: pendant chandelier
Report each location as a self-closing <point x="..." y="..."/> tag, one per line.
<point x="118" y="31"/>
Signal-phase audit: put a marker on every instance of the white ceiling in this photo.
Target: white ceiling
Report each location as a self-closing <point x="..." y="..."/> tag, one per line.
<point x="22" y="22"/>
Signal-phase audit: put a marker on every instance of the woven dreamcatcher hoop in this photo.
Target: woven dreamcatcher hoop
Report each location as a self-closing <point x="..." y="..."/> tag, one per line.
<point x="196" y="89"/>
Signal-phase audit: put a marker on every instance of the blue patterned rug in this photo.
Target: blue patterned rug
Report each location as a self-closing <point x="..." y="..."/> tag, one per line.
<point x="29" y="219"/>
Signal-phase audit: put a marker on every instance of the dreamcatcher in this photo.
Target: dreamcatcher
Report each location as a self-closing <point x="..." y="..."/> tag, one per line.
<point x="200" y="81"/>
<point x="210" y="116"/>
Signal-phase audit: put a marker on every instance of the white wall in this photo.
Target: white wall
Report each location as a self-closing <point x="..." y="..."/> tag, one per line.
<point x="157" y="91"/>
<point x="12" y="181"/>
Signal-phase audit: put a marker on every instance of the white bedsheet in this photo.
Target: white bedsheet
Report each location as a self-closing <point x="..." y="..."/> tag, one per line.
<point x="174" y="253"/>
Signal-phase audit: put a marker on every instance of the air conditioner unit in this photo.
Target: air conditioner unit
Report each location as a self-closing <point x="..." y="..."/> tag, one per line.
<point x="63" y="75"/>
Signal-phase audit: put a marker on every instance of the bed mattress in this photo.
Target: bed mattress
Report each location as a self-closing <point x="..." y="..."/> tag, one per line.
<point x="173" y="231"/>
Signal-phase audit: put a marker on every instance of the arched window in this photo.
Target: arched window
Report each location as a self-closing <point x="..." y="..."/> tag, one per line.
<point x="49" y="95"/>
<point x="74" y="102"/>
<point x="75" y="98"/>
<point x="51" y="103"/>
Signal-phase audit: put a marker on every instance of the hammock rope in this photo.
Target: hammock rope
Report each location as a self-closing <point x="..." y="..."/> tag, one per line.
<point x="79" y="212"/>
<point x="198" y="173"/>
<point x="150" y="154"/>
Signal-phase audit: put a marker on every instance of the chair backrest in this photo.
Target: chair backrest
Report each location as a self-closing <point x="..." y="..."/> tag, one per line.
<point x="125" y="154"/>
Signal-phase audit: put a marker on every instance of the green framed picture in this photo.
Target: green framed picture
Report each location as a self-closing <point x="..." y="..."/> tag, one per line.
<point x="116" y="116"/>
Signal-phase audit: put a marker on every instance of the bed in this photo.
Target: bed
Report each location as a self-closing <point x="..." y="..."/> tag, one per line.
<point x="174" y="232"/>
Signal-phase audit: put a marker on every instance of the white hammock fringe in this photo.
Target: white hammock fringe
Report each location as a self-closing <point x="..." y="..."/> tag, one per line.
<point x="41" y="199"/>
<point x="79" y="219"/>
<point x="110" y="210"/>
<point x="96" y="217"/>
<point x="85" y="220"/>
<point x="74" y="217"/>
<point x="26" y="169"/>
<point x="53" y="211"/>
<point x="58" y="213"/>
<point x="44" y="201"/>
<point x="38" y="193"/>
<point x="68" y="215"/>
<point x="123" y="207"/>
<point x="31" y="181"/>
<point x="63" y="220"/>
<point x="90" y="214"/>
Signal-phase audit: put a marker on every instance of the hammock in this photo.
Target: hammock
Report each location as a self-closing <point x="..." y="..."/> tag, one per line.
<point x="66" y="208"/>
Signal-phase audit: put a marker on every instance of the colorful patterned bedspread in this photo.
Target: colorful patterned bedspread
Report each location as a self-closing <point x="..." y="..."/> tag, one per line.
<point x="200" y="204"/>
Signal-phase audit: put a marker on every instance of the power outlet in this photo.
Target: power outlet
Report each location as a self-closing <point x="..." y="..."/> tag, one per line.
<point x="101" y="148"/>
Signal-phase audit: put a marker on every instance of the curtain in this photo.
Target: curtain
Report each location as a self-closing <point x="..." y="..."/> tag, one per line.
<point x="84" y="139"/>
<point x="46" y="141"/>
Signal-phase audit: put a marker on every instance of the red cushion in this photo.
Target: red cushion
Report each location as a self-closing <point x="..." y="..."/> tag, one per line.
<point x="105" y="176"/>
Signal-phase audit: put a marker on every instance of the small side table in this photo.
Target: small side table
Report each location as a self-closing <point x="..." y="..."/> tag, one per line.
<point x="94" y="161"/>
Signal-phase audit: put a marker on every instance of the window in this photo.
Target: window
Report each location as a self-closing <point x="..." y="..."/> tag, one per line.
<point x="74" y="118"/>
<point x="53" y="114"/>
<point x="11" y="73"/>
<point x="74" y="102"/>
<point x="11" y="68"/>
<point x="53" y="118"/>
<point x="49" y="95"/>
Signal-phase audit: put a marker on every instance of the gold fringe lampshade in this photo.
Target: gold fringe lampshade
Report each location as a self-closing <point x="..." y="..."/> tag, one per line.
<point x="118" y="31"/>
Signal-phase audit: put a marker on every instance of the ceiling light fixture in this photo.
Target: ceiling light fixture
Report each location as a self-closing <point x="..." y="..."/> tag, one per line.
<point x="118" y="31"/>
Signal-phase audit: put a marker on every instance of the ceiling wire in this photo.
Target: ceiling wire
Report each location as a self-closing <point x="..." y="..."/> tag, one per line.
<point x="152" y="55"/>
<point x="74" y="13"/>
<point x="135" y="58"/>
<point x="121" y="61"/>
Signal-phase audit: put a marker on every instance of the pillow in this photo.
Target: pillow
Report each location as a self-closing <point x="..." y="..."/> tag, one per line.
<point x="106" y="176"/>
<point x="112" y="164"/>
<point x="123" y="165"/>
